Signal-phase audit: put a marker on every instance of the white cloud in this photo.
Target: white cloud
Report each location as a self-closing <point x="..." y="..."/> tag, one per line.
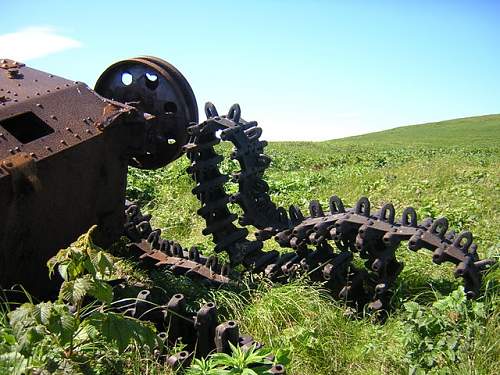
<point x="34" y="42"/>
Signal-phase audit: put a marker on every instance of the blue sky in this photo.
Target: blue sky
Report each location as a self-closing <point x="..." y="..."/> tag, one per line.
<point x="305" y="70"/>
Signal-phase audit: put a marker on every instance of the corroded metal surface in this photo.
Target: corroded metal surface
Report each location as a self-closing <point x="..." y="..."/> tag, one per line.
<point x="64" y="154"/>
<point x="59" y="154"/>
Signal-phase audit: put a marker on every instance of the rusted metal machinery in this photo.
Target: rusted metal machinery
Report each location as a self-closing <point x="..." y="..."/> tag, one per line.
<point x="64" y="154"/>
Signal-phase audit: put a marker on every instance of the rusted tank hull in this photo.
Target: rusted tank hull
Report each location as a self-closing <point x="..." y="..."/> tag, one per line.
<point x="62" y="169"/>
<point x="35" y="225"/>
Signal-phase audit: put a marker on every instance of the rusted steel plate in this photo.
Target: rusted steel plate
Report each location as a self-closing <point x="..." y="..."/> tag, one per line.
<point x="73" y="176"/>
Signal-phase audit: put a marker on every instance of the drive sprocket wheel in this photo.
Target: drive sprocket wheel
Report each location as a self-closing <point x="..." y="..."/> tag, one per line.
<point x="154" y="87"/>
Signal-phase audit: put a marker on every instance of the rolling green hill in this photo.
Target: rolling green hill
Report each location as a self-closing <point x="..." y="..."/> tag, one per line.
<point x="480" y="130"/>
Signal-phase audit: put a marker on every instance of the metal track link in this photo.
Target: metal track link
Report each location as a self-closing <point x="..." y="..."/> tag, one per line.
<point x="147" y="243"/>
<point x="201" y="331"/>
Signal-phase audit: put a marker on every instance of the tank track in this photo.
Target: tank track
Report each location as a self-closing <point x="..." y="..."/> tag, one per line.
<point x="375" y="237"/>
<point x="200" y="331"/>
<point x="324" y="243"/>
<point x="153" y="250"/>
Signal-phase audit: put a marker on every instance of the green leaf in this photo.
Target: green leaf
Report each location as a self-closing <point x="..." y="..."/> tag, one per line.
<point x="411" y="307"/>
<point x="22" y="317"/>
<point x="62" y="323"/>
<point x="282" y="357"/>
<point x="8" y="338"/>
<point x="25" y="327"/>
<point x="101" y="291"/>
<point x="42" y="312"/>
<point x="122" y="331"/>
<point x="221" y="359"/>
<point x="103" y="264"/>
<point x="13" y="363"/>
<point x="74" y="291"/>
<point x="63" y="271"/>
<point x="479" y="310"/>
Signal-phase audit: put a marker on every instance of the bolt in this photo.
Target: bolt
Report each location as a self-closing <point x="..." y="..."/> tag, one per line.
<point x="53" y="117"/>
<point x="39" y="105"/>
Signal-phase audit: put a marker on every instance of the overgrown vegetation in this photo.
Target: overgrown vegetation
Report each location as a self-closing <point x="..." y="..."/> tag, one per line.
<point x="443" y="169"/>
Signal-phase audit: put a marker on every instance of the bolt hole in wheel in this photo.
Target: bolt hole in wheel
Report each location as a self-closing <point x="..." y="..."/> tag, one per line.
<point x="170" y="107"/>
<point x="127" y="78"/>
<point x="151" y="81"/>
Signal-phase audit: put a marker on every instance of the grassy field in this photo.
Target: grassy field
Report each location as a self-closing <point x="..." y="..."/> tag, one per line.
<point x="449" y="168"/>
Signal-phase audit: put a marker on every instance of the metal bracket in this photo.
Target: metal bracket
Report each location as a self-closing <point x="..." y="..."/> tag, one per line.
<point x="22" y="168"/>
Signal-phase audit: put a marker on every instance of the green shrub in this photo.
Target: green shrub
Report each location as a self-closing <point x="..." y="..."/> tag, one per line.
<point x="439" y="336"/>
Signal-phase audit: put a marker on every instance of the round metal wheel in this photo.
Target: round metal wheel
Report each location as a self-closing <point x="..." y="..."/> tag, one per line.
<point x="153" y="86"/>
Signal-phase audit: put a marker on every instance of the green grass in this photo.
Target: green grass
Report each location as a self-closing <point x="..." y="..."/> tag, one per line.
<point x="449" y="168"/>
